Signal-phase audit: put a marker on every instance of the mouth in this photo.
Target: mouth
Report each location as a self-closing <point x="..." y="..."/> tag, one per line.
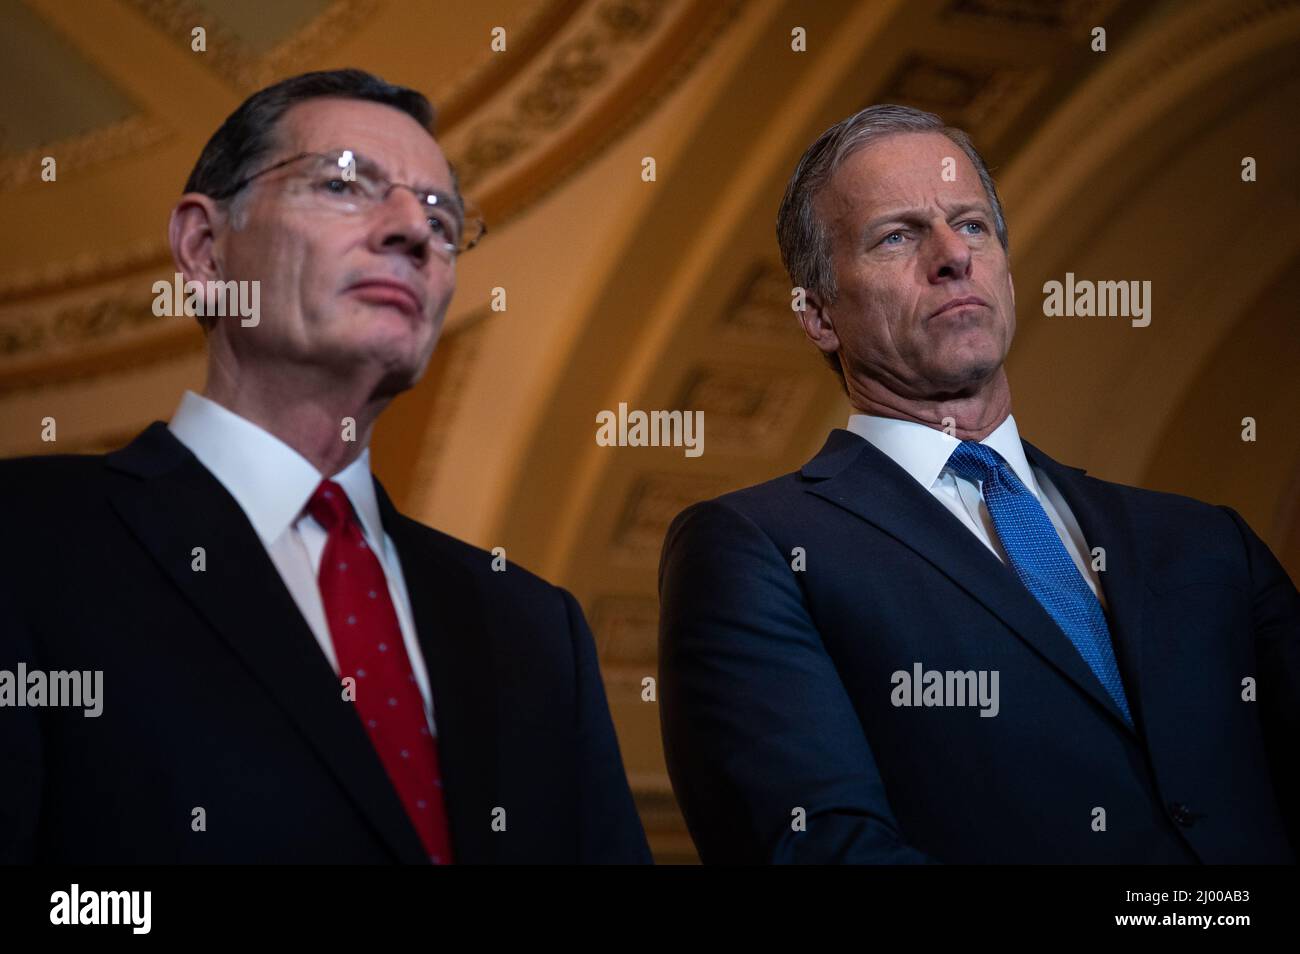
<point x="386" y="292"/>
<point x="959" y="304"/>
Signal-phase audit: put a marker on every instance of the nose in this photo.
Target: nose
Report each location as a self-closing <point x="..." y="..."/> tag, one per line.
<point x="403" y="226"/>
<point x="950" y="254"/>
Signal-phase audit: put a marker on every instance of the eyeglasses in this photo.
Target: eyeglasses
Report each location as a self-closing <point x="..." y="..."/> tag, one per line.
<point x="346" y="182"/>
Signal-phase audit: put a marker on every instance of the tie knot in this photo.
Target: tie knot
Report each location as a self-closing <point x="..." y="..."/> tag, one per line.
<point x="977" y="462"/>
<point x="329" y="505"/>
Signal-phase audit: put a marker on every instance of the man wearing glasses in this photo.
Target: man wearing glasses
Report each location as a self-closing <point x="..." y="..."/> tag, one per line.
<point x="292" y="670"/>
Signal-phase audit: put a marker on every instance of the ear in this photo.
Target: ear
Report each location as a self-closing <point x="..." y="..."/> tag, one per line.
<point x="192" y="232"/>
<point x="816" y="322"/>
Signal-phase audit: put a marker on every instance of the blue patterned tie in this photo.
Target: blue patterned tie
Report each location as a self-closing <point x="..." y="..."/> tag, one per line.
<point x="1041" y="562"/>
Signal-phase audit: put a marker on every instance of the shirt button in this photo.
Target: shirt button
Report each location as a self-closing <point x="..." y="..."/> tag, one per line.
<point x="1182" y="814"/>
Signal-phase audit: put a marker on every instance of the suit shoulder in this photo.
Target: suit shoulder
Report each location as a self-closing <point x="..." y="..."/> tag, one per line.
<point x="1174" y="525"/>
<point x="1143" y="501"/>
<point x="756" y="503"/>
<point x="479" y="563"/>
<point x="756" y="513"/>
<point x="49" y="475"/>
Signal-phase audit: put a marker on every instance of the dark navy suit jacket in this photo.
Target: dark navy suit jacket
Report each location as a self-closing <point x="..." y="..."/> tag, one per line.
<point x="217" y="695"/>
<point x="776" y="684"/>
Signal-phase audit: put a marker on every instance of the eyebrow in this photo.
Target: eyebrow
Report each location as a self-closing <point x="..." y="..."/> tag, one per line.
<point x="917" y="215"/>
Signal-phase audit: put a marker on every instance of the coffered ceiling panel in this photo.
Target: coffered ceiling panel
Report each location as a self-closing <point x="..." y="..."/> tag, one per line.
<point x="52" y="92"/>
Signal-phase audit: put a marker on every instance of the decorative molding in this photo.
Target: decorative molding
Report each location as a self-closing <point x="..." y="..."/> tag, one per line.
<point x="760" y="307"/>
<point x="64" y="334"/>
<point x="1068" y="15"/>
<point x="652" y="502"/>
<point x="559" y="89"/>
<point x="63" y="328"/>
<point x="982" y="98"/>
<point x="131" y="135"/>
<point x="1196" y="44"/>
<point x="554" y="92"/>
<point x="1181" y="39"/>
<point x="562" y="117"/>
<point x="483" y="80"/>
<point x="232" y="59"/>
<point x="160" y="352"/>
<point x="92" y="266"/>
<point x="749" y="411"/>
<point x="627" y="631"/>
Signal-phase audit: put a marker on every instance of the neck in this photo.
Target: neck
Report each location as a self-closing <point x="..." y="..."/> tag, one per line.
<point x="309" y="412"/>
<point x="967" y="416"/>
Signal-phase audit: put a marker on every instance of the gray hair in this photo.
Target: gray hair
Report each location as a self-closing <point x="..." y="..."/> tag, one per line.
<point x="805" y="244"/>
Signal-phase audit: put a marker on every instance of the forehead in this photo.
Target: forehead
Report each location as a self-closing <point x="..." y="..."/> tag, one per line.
<point x="901" y="171"/>
<point x="384" y="134"/>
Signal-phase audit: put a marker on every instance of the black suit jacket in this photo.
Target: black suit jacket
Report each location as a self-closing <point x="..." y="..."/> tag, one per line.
<point x="217" y="695"/>
<point x="776" y="684"/>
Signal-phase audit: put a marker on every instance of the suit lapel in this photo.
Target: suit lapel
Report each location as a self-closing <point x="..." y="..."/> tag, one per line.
<point x="851" y="473"/>
<point x="175" y="505"/>
<point x="1105" y="523"/>
<point x="449" y="618"/>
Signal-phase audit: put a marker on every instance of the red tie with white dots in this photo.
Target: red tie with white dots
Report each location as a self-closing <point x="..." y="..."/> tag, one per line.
<point x="369" y="646"/>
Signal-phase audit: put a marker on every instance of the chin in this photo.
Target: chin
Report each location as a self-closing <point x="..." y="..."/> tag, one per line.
<point x="397" y="379"/>
<point x="964" y="376"/>
<point x="391" y="345"/>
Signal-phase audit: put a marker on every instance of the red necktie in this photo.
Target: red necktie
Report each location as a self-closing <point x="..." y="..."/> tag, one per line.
<point x="368" y="643"/>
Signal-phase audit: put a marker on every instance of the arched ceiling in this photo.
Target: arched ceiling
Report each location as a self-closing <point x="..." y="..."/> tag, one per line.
<point x="123" y="104"/>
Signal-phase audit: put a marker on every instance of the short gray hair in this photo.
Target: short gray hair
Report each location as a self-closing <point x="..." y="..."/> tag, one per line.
<point x="805" y="244"/>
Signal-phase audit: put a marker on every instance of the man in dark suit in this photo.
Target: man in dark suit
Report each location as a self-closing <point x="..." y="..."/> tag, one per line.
<point x="934" y="642"/>
<point x="293" y="671"/>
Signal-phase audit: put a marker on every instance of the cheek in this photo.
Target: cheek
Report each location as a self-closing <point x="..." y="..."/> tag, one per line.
<point x="270" y="255"/>
<point x="891" y="308"/>
<point x="446" y="292"/>
<point x="1009" y="307"/>
<point x="313" y="275"/>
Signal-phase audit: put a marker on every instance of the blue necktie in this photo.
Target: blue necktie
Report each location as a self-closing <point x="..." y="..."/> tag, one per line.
<point x="1041" y="562"/>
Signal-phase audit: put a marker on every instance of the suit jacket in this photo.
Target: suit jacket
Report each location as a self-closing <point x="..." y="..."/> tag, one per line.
<point x="777" y="688"/>
<point x="217" y="696"/>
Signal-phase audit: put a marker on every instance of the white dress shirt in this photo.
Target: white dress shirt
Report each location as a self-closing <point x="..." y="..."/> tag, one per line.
<point x="272" y="484"/>
<point x="923" y="452"/>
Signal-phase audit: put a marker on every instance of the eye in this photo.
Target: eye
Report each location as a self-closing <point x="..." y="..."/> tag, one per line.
<point x="978" y="225"/>
<point x="336" y="186"/>
<point x="443" y="229"/>
<point x="885" y="240"/>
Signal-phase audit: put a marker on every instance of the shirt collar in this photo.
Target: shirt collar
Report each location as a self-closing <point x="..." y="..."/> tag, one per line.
<point x="923" y="451"/>
<point x="269" y="480"/>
